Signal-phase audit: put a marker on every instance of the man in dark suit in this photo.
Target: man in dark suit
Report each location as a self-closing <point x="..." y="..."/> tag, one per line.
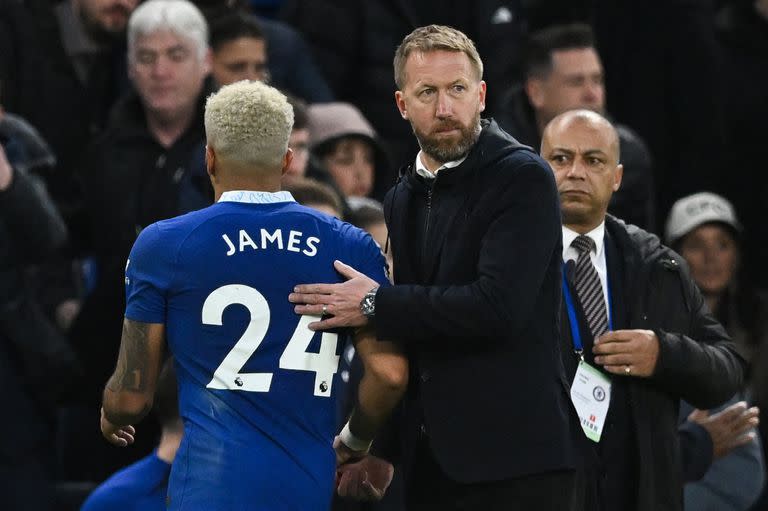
<point x="475" y="230"/>
<point x="637" y="336"/>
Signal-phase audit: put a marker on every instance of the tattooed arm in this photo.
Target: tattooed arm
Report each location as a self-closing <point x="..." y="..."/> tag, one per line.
<point x="129" y="392"/>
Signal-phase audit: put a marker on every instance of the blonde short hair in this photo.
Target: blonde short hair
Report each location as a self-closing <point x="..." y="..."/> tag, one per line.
<point x="434" y="38"/>
<point x="249" y="123"/>
<point x="178" y="16"/>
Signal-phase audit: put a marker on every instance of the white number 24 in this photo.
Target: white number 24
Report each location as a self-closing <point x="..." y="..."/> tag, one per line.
<point x="227" y="376"/>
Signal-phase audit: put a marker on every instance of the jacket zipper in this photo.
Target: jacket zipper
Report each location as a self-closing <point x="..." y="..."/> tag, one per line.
<point x="428" y="215"/>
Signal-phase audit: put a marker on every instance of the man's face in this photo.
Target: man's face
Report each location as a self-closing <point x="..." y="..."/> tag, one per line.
<point x="244" y="58"/>
<point x="167" y="72"/>
<point x="299" y="144"/>
<point x="105" y="19"/>
<point x="583" y="155"/>
<point x="442" y="98"/>
<point x="575" y="82"/>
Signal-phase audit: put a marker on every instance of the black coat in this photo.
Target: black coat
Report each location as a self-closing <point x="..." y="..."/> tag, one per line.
<point x="40" y="84"/>
<point x="476" y="301"/>
<point x="697" y="360"/>
<point x="36" y="363"/>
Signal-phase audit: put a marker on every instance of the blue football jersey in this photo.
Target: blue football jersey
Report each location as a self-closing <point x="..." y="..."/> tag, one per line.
<point x="257" y="388"/>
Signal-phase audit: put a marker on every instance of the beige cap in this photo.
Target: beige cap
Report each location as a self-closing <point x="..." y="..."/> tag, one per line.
<point x="694" y="210"/>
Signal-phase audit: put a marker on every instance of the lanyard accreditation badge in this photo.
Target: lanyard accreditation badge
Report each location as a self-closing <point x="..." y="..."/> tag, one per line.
<point x="591" y="389"/>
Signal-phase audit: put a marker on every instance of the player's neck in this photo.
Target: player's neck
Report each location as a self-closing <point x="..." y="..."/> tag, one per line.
<point x="169" y="444"/>
<point x="250" y="184"/>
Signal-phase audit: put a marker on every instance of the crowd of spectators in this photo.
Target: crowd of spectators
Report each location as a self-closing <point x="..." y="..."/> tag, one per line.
<point x="101" y="134"/>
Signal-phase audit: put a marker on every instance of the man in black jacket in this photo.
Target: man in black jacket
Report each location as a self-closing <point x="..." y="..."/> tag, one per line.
<point x="475" y="230"/>
<point x="634" y="326"/>
<point x="37" y="365"/>
<point x="62" y="67"/>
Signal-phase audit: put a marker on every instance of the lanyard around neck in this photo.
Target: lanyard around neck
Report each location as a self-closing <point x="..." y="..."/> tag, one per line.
<point x="578" y="346"/>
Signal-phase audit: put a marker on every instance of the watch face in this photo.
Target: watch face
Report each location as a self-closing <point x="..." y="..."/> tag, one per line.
<point x="368" y="302"/>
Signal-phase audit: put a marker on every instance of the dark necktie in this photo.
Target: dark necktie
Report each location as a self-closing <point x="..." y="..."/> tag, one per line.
<point x="588" y="287"/>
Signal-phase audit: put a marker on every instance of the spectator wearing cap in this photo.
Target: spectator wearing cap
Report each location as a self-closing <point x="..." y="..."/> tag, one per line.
<point x="344" y="145"/>
<point x="704" y="229"/>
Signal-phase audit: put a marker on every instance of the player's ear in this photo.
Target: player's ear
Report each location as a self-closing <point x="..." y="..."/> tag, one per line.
<point x="287" y="159"/>
<point x="210" y="160"/>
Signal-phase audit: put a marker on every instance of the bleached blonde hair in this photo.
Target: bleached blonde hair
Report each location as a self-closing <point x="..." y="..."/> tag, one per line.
<point x="178" y="16"/>
<point x="249" y="123"/>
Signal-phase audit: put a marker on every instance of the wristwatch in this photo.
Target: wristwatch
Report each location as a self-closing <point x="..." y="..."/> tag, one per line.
<point x="368" y="303"/>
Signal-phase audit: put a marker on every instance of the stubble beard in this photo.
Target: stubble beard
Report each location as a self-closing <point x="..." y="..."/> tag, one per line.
<point x="446" y="150"/>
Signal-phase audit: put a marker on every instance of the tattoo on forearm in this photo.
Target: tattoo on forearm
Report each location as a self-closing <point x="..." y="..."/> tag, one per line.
<point x="133" y="360"/>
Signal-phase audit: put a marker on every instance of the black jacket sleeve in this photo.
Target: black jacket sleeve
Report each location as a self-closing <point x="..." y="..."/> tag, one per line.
<point x="702" y="367"/>
<point x="514" y="257"/>
<point x="31" y="218"/>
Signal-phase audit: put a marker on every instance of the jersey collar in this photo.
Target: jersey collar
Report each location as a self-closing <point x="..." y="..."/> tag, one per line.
<point x="254" y="197"/>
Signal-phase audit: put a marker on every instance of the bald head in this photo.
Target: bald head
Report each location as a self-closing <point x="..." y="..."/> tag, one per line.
<point x="582" y="148"/>
<point x="588" y="120"/>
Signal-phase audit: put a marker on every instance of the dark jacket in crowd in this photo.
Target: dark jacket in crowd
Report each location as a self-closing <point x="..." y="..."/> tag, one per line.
<point x="354" y="44"/>
<point x="634" y="202"/>
<point x="38" y="82"/>
<point x="476" y="307"/>
<point x="36" y="364"/>
<point x="651" y="288"/>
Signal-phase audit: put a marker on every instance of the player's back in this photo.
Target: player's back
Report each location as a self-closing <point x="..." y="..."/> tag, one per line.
<point x="256" y="386"/>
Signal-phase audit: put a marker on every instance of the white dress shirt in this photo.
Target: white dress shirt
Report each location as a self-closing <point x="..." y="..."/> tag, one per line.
<point x="597" y="257"/>
<point x="423" y="171"/>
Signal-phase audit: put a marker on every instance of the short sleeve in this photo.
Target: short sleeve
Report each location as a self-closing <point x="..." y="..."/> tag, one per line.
<point x="148" y="274"/>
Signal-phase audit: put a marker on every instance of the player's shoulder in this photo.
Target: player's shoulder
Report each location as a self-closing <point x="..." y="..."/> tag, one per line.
<point x="328" y="222"/>
<point x="173" y="230"/>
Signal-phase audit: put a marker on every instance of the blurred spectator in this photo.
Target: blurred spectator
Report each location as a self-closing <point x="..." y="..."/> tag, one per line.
<point x="315" y="195"/>
<point x="743" y="32"/>
<point x="704" y="229"/>
<point x="563" y="72"/>
<point x="62" y="66"/>
<point x="299" y="141"/>
<point x="239" y="49"/>
<point x="730" y="454"/>
<point x="36" y="364"/>
<point x="353" y="42"/>
<point x="368" y="214"/>
<point x="344" y="144"/>
<point x="147" y="166"/>
<point x="291" y="66"/>
<point x="143" y="485"/>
